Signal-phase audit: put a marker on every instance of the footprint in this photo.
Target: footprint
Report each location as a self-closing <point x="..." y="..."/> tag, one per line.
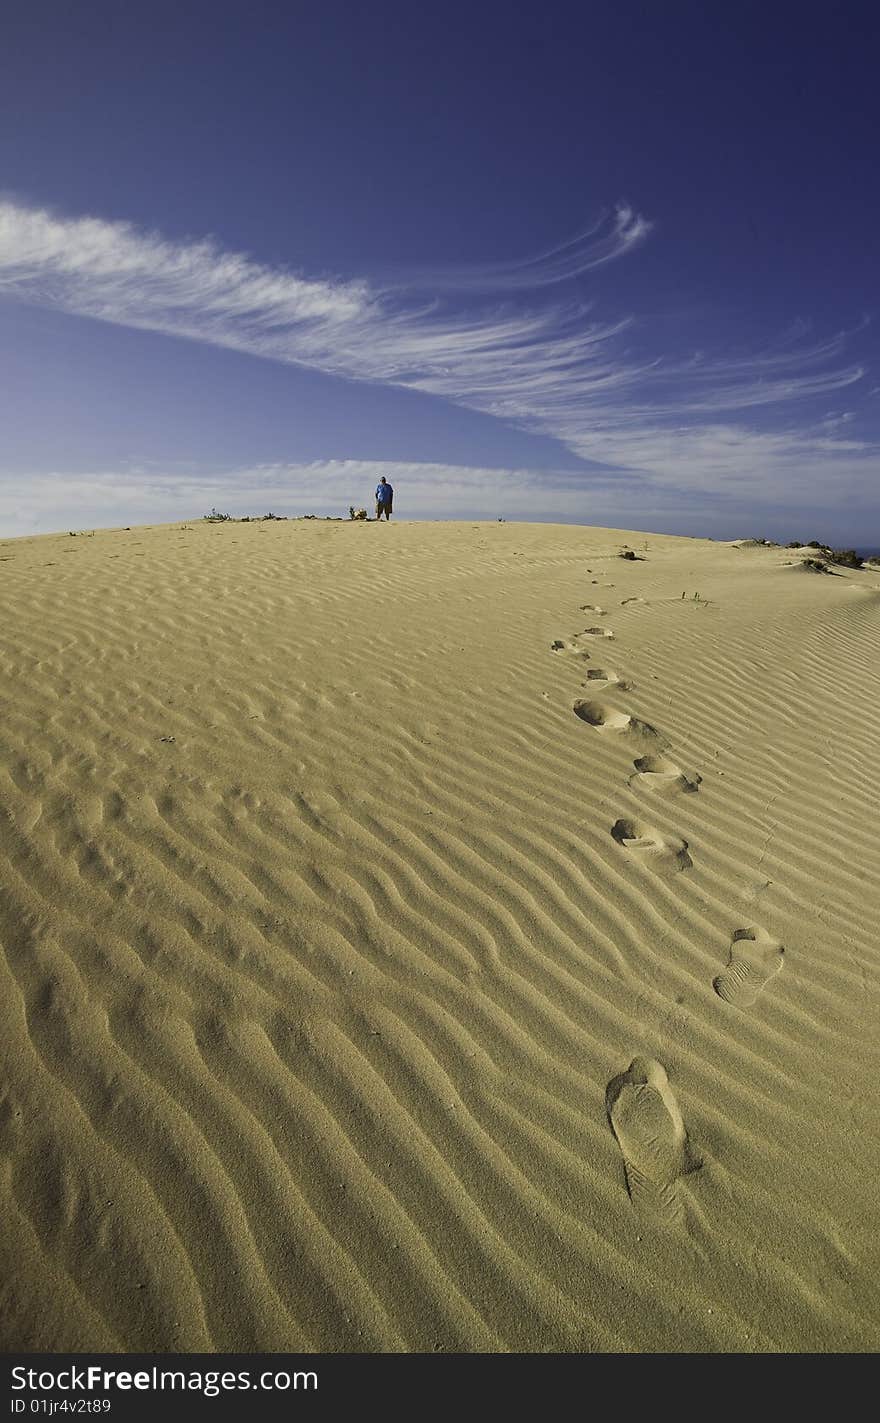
<point x="634" y="599"/>
<point x="650" y="1132"/>
<point x="570" y="647"/>
<point x="656" y="773"/>
<point x="605" y="718"/>
<point x="592" y="608"/>
<point x="755" y="958"/>
<point x="597" y="632"/>
<point x="666" y="854"/>
<point x="609" y="677"/>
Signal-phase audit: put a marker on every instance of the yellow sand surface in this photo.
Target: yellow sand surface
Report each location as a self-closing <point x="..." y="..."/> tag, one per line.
<point x="437" y="936"/>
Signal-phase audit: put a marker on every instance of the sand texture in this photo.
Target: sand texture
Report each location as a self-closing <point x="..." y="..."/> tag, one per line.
<point x="424" y="937"/>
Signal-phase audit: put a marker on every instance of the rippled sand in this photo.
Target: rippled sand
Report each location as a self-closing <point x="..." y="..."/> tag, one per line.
<point x="437" y="936"/>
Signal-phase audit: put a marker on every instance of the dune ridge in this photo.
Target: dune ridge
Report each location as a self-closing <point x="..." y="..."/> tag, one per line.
<point x="326" y="925"/>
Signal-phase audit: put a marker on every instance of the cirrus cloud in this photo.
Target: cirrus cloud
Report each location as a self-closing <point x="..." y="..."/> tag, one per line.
<point x="717" y="424"/>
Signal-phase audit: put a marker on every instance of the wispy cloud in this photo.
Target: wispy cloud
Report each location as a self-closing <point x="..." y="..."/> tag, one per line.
<point x="612" y="236"/>
<point x="113" y="272"/>
<point x="546" y="366"/>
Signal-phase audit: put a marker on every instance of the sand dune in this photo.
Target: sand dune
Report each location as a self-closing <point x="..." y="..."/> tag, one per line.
<point x="356" y="995"/>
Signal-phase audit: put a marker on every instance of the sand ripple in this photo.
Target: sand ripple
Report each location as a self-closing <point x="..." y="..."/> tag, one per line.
<point x="318" y="956"/>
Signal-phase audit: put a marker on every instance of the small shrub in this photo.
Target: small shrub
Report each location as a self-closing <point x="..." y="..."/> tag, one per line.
<point x="215" y="517"/>
<point x="846" y="556"/>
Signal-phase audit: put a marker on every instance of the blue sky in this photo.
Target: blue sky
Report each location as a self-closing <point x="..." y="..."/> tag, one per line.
<point x="596" y="263"/>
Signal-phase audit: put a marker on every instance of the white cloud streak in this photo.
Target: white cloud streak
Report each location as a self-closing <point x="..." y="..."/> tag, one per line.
<point x="547" y="368"/>
<point x="611" y="237"/>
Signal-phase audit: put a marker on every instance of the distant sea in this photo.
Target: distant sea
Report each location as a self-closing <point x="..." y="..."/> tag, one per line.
<point x="868" y="552"/>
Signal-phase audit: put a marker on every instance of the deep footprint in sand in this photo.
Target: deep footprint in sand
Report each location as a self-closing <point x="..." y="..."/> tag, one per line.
<point x="755" y="958"/>
<point x="657" y="773"/>
<point x="665" y="854"/>
<point x="609" y="719"/>
<point x="592" y="608"/>
<point x="597" y="632"/>
<point x="650" y="1132"/>
<point x="609" y="678"/>
<point x="570" y="646"/>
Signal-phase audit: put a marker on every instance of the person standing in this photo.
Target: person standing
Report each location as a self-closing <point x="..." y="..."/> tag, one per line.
<point x="384" y="498"/>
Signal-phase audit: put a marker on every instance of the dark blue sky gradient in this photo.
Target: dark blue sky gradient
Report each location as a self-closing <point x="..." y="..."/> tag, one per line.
<point x="358" y="141"/>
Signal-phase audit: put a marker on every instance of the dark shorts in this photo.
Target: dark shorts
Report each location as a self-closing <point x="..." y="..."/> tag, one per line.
<point x="383" y="509"/>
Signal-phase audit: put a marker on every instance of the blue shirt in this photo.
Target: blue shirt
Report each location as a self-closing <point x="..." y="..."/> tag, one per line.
<point x="384" y="493"/>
